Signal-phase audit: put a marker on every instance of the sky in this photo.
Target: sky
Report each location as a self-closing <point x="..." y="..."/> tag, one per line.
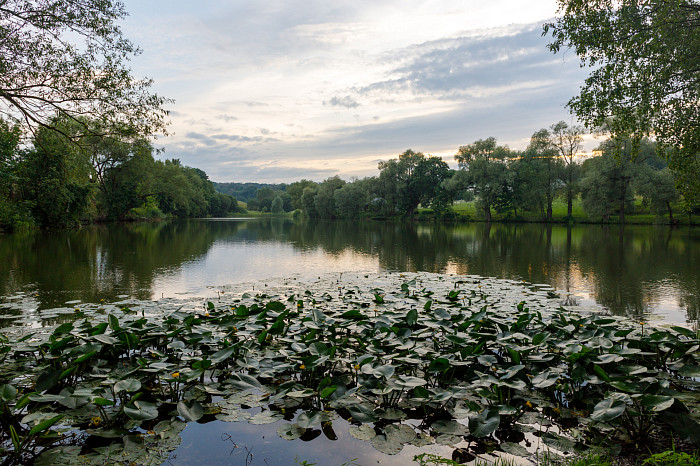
<point x="281" y="90"/>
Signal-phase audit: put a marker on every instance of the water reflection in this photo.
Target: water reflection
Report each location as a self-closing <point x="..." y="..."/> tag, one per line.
<point x="632" y="270"/>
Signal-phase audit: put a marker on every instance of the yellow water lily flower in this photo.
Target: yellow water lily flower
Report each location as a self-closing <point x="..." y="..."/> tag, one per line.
<point x="175" y="375"/>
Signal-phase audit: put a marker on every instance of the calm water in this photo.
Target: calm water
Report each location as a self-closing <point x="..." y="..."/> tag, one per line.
<point x="641" y="271"/>
<point x="645" y="272"/>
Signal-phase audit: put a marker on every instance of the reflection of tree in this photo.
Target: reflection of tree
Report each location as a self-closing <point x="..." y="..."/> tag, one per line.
<point x="103" y="262"/>
<point x="99" y="262"/>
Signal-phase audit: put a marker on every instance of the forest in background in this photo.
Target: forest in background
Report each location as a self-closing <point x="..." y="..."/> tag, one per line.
<point x="622" y="178"/>
<point x="66" y="176"/>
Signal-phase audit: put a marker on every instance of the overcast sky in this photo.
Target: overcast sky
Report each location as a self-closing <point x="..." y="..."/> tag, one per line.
<point x="280" y="90"/>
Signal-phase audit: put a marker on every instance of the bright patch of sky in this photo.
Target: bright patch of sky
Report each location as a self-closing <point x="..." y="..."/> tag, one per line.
<point x="277" y="91"/>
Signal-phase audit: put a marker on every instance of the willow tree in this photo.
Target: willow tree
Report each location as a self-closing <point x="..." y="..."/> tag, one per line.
<point x="68" y="59"/>
<point x="645" y="78"/>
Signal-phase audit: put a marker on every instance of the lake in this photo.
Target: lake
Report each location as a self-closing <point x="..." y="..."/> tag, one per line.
<point x="645" y="272"/>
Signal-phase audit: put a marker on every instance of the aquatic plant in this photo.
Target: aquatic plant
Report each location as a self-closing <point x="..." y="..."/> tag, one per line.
<point x="406" y="359"/>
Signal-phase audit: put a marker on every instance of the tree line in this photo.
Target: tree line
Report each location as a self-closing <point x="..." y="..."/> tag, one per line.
<point x="500" y="179"/>
<point x="66" y="176"/>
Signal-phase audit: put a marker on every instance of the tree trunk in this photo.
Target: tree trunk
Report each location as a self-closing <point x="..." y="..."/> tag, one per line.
<point x="569" y="202"/>
<point x="549" y="212"/>
<point x="622" y="211"/>
<point x="670" y="213"/>
<point x="487" y="213"/>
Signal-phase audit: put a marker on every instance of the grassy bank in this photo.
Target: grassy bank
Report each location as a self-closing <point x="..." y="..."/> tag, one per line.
<point x="641" y="215"/>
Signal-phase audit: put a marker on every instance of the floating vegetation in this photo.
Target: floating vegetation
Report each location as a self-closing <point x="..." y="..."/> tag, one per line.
<point x="481" y="365"/>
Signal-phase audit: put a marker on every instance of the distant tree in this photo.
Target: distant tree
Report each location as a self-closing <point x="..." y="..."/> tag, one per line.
<point x="277" y="206"/>
<point x="485" y="163"/>
<point x="607" y="183"/>
<point x="296" y="190"/>
<point x="645" y="79"/>
<point x="350" y="200"/>
<point x="324" y="201"/>
<point x="657" y="187"/>
<point x="307" y="201"/>
<point x="568" y="141"/>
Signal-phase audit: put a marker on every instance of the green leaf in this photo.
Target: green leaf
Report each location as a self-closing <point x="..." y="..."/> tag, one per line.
<point x="484" y="424"/>
<point x="128" y="385"/>
<point x="412" y="317"/>
<point x="47" y="379"/>
<point x="141" y="411"/>
<point x="328" y="391"/>
<point x="192" y="411"/>
<point x="657" y="403"/>
<point x="43" y="426"/>
<point x="7" y="392"/>
<point x="439" y="365"/>
<point x="114" y="323"/>
<point x="608" y="409"/>
<point x="309" y="419"/>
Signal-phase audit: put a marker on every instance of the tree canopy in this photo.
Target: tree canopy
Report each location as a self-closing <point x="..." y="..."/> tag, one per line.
<point x="646" y="71"/>
<point x="69" y="59"/>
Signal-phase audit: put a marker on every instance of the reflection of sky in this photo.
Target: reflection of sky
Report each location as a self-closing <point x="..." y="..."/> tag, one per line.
<point x="231" y="263"/>
<point x="268" y="448"/>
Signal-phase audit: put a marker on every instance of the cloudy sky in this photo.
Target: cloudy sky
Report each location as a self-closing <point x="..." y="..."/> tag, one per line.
<point x="280" y="90"/>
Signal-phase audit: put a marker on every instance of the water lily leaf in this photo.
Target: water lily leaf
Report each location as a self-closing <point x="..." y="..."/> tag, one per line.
<point x="7" y="392"/>
<point x="608" y="409"/>
<point x="485" y="423"/>
<point x="387" y="445"/>
<point x="47" y="379"/>
<point x="309" y="419"/>
<point x="439" y="365"/>
<point x="244" y="382"/>
<point x="514" y="449"/>
<point x="449" y="427"/>
<point x="448" y="439"/>
<point x="400" y="432"/>
<point x="408" y="381"/>
<point x="545" y="379"/>
<point x="290" y="431"/>
<point x="233" y="416"/>
<point x="392" y="414"/>
<point x="608" y="358"/>
<point x="141" y="410"/>
<point x="328" y="391"/>
<point x="222" y="355"/>
<point x="657" y="403"/>
<point x="562" y="444"/>
<point x="106" y="339"/>
<point x="265" y="417"/>
<point x="192" y="411"/>
<point x="128" y="385"/>
<point x="362" y="413"/>
<point x="67" y="454"/>
<point x="363" y="432"/>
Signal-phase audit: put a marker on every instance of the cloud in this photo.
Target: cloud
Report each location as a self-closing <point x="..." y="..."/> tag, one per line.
<point x="347" y="102"/>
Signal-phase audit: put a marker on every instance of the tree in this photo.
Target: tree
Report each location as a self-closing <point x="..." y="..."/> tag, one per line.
<point x="68" y="58"/>
<point x="645" y="79"/>
<point x="277" y="206"/>
<point x="568" y="140"/>
<point x="485" y="162"/>
<point x="539" y="173"/>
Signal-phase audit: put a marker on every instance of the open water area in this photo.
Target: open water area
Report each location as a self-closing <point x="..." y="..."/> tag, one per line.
<point x="643" y="272"/>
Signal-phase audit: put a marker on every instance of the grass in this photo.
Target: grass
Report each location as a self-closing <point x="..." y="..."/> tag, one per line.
<point x="641" y="215"/>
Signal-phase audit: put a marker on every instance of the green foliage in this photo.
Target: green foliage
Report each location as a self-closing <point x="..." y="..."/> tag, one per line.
<point x="467" y="357"/>
<point x="645" y="79"/>
<point x="69" y="59"/>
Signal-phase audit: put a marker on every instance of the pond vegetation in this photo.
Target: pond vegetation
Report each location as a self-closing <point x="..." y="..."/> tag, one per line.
<point x="481" y="365"/>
